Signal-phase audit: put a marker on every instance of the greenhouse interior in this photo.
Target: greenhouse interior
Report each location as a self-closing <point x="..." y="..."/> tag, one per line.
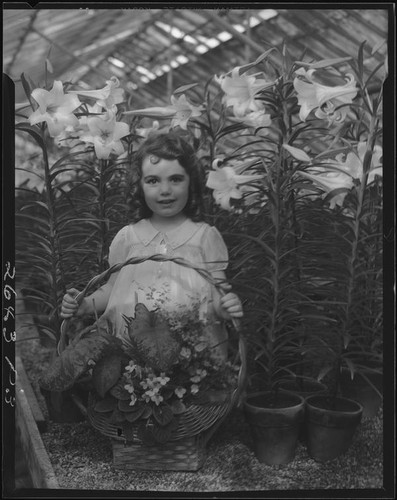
<point x="198" y="280"/>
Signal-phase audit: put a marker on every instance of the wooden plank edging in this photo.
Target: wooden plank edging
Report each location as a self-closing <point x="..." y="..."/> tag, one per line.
<point x="41" y="422"/>
<point x="38" y="461"/>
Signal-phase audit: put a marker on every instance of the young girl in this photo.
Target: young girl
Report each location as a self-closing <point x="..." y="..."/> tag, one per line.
<point x="166" y="198"/>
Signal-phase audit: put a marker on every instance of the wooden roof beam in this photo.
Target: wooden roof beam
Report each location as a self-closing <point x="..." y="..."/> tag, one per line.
<point x="226" y="26"/>
<point x="22" y="40"/>
<point x="69" y="53"/>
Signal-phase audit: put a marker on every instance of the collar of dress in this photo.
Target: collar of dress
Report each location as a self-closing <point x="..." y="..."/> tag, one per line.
<point x="146" y="232"/>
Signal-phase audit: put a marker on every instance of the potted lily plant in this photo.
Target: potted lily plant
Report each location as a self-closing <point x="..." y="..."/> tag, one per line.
<point x="315" y="122"/>
<point x="263" y="190"/>
<point x="350" y="183"/>
<point x="64" y="220"/>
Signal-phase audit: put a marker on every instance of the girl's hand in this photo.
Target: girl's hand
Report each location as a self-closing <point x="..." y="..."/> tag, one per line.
<point x="69" y="305"/>
<point x="231" y="306"/>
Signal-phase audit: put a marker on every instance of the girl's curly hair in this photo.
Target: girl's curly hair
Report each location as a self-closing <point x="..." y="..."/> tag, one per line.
<point x="168" y="146"/>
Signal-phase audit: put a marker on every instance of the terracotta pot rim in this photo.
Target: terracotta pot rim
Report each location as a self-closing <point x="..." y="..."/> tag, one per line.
<point x="310" y="403"/>
<point x="300" y="401"/>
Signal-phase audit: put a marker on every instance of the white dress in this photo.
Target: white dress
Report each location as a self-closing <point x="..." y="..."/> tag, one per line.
<point x="166" y="286"/>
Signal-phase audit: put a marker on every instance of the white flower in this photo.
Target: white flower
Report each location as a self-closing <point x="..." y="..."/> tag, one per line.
<point x="241" y="92"/>
<point x="107" y="97"/>
<point x="180" y="391"/>
<point x="227" y="183"/>
<point x="194" y="389"/>
<point x="105" y="134"/>
<point x="180" y="111"/>
<point x="339" y="174"/>
<point x="257" y="119"/>
<point x="324" y="99"/>
<point x="55" y="108"/>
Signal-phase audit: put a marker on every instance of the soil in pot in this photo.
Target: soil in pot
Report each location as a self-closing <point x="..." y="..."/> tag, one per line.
<point x="367" y="392"/>
<point x="274" y="420"/>
<point x="330" y="425"/>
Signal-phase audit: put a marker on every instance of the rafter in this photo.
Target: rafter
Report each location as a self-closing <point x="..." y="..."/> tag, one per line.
<point x="69" y="53"/>
<point x="22" y="39"/>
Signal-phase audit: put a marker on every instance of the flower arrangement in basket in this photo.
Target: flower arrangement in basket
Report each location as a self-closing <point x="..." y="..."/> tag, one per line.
<point x="166" y="363"/>
<point x="162" y="387"/>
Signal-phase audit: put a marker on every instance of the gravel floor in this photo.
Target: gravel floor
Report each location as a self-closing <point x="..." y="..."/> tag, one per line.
<point x="82" y="457"/>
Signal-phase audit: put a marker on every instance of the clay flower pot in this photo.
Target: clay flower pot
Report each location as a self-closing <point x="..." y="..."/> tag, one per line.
<point x="274" y="420"/>
<point x="304" y="387"/>
<point x="367" y="392"/>
<point x="330" y="425"/>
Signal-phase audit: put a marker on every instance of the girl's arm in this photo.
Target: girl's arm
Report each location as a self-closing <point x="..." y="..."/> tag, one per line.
<point x="229" y="305"/>
<point x="97" y="301"/>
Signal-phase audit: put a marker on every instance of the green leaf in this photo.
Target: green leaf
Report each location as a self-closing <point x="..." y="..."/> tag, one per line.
<point x="360" y="60"/>
<point x="73" y="361"/>
<point x="297" y="153"/>
<point x="28" y="87"/>
<point x="177" y="407"/>
<point x="105" y="405"/>
<point x="119" y="392"/>
<point x="184" y="88"/>
<point x="147" y="412"/>
<point x="33" y="131"/>
<point x="323" y="372"/>
<point x="248" y="66"/>
<point x="125" y="406"/>
<point x="152" y="339"/>
<point x="106" y="373"/>
<point x="163" y="414"/>
<point x="135" y="415"/>
<point x="324" y="63"/>
<point x="117" y="417"/>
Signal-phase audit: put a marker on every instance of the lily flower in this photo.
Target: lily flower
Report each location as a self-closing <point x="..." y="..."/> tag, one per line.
<point x="240" y="92"/>
<point x="55" y="108"/>
<point x="329" y="180"/>
<point x="375" y="168"/>
<point x="312" y="95"/>
<point x="342" y="174"/>
<point x="228" y="183"/>
<point x="257" y="119"/>
<point x="145" y="132"/>
<point x="180" y="111"/>
<point x="107" y="97"/>
<point x="70" y="137"/>
<point x="105" y="134"/>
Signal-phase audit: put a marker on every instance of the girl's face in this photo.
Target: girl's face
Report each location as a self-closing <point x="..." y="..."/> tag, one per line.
<point x="165" y="186"/>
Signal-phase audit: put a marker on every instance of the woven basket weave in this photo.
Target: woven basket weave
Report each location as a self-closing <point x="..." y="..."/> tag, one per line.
<point x="186" y="448"/>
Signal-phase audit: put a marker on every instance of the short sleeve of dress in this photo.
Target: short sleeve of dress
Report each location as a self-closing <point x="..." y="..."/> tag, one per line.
<point x="118" y="249"/>
<point x="215" y="251"/>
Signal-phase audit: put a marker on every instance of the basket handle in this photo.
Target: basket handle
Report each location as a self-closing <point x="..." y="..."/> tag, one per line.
<point x="138" y="260"/>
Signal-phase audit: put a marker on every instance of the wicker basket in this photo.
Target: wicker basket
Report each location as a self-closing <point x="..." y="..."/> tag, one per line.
<point x="186" y="448"/>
